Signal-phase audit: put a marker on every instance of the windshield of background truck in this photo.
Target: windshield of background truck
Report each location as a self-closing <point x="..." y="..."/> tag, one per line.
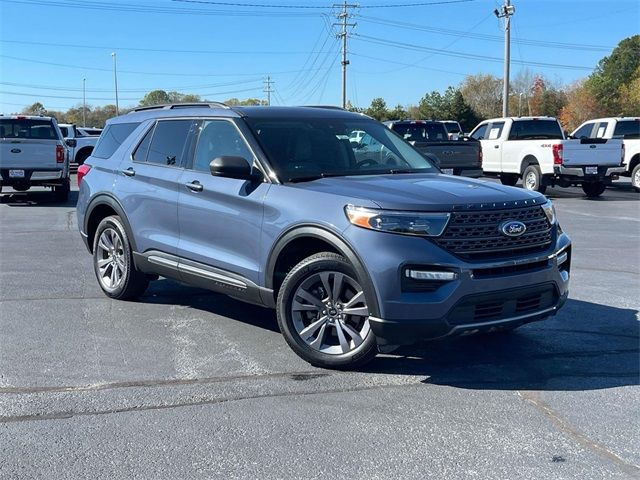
<point x="27" y="128"/>
<point x="536" y="130"/>
<point x="305" y="147"/>
<point x="421" y="132"/>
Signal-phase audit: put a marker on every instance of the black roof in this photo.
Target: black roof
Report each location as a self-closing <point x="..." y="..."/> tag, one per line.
<point x="296" y="112"/>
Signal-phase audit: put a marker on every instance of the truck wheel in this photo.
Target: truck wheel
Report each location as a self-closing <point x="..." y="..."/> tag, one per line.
<point x="635" y="178"/>
<point x="82" y="156"/>
<point x="532" y="179"/>
<point x="593" y="189"/>
<point x="113" y="262"/>
<point x="509" y="179"/>
<point x="61" y="192"/>
<point x="323" y="313"/>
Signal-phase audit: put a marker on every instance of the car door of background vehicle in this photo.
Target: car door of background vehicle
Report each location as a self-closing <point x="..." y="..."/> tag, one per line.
<point x="148" y="186"/>
<point x="492" y="147"/>
<point x="221" y="220"/>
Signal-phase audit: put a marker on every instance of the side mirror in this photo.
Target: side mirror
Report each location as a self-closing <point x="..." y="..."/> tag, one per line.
<point x="71" y="142"/>
<point x="233" y="167"/>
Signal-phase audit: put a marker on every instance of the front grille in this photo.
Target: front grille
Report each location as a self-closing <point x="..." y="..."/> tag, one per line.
<point x="475" y="235"/>
<point x="503" y="305"/>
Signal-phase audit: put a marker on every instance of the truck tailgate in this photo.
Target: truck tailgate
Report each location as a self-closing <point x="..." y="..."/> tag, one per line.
<point x="28" y="154"/>
<point x="592" y="151"/>
<point x="454" y="154"/>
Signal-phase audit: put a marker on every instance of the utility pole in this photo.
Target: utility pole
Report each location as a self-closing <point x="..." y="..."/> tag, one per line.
<point x="115" y="81"/>
<point x="343" y="17"/>
<point x="506" y="12"/>
<point x="267" y="89"/>
<point x="84" y="102"/>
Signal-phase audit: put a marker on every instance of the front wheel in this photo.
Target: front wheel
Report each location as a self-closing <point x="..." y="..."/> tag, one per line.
<point x="323" y="313"/>
<point x="593" y="189"/>
<point x="113" y="261"/>
<point x="532" y="179"/>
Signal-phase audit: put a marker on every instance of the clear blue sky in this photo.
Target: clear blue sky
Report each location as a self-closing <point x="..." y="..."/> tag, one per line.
<point x="48" y="46"/>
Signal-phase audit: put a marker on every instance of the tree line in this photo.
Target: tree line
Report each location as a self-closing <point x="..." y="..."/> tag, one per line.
<point x="613" y="89"/>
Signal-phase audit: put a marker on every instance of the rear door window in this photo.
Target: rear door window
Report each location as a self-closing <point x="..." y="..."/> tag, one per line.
<point x="141" y="151"/>
<point x="627" y="129"/>
<point x="26" y="128"/>
<point x="168" y="142"/>
<point x="112" y="138"/>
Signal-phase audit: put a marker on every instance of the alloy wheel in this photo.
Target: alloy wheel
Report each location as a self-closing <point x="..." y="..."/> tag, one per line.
<point x="110" y="259"/>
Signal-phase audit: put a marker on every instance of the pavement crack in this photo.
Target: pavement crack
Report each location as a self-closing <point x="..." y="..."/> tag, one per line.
<point x="562" y="424"/>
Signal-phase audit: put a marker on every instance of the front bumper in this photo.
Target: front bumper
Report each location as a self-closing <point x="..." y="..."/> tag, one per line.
<point x="484" y="296"/>
<point x="578" y="174"/>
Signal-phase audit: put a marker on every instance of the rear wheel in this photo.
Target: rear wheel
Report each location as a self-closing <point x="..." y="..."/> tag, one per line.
<point x="635" y="178"/>
<point x="532" y="179"/>
<point x="509" y="179"/>
<point x="593" y="189"/>
<point x="323" y="313"/>
<point x="113" y="261"/>
<point x="61" y="192"/>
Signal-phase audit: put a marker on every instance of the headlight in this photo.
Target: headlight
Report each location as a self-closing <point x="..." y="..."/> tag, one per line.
<point x="407" y="223"/>
<point x="550" y="212"/>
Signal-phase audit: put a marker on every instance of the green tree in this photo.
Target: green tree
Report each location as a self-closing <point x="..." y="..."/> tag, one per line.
<point x="614" y="72"/>
<point x="398" y="113"/>
<point x="155" y="97"/>
<point x="35" y="109"/>
<point x="448" y="106"/>
<point x="378" y="109"/>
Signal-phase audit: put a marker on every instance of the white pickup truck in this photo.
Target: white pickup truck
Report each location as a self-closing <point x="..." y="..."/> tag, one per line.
<point x="626" y="128"/>
<point x="81" y="145"/>
<point x="535" y="149"/>
<point x="33" y="153"/>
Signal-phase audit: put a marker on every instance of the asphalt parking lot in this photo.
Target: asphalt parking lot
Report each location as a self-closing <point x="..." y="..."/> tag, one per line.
<point x="189" y="384"/>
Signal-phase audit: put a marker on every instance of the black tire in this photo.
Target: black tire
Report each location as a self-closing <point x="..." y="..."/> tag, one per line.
<point x="338" y="324"/>
<point x="594" y="189"/>
<point x="82" y="156"/>
<point x="131" y="283"/>
<point x="509" y="179"/>
<point x="61" y="192"/>
<point x="532" y="179"/>
<point x="635" y="178"/>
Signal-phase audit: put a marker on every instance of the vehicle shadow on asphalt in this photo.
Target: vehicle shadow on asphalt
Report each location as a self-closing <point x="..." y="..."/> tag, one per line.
<point x="587" y="346"/>
<point x="615" y="193"/>
<point x="44" y="198"/>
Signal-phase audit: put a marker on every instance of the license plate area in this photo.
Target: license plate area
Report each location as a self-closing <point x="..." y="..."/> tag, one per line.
<point x="447" y="171"/>
<point x="16" y="173"/>
<point x="591" y="170"/>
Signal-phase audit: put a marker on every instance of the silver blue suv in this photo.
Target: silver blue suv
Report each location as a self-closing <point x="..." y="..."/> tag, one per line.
<point x="358" y="251"/>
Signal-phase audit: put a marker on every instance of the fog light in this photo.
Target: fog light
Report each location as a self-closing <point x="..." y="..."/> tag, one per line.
<point x="430" y="275"/>
<point x="560" y="259"/>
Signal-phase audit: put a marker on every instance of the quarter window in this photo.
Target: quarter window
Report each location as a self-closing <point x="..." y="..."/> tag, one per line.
<point x="168" y="142"/>
<point x="112" y="138"/>
<point x="218" y="138"/>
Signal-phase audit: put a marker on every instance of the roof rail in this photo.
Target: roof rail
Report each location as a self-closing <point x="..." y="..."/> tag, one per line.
<point x="171" y="106"/>
<point x="328" y="107"/>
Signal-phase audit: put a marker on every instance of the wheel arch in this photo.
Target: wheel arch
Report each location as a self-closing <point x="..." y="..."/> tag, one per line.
<point x="529" y="159"/>
<point x="88" y="149"/>
<point x="287" y="252"/>
<point x="635" y="160"/>
<point x="99" y="208"/>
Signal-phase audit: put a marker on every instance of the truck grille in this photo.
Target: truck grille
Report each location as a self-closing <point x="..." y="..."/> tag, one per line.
<point x="475" y="235"/>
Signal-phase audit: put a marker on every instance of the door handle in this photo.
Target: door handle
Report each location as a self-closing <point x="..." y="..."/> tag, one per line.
<point x="129" y="172"/>
<point x="194" y="186"/>
<point x="496" y="146"/>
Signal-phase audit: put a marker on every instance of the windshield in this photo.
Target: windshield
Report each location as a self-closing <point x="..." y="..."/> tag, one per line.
<point x="309" y="148"/>
<point x="27" y="128"/>
<point x="421" y="132"/>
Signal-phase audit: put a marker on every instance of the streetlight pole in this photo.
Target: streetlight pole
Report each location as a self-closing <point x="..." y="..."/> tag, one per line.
<point x="115" y="81"/>
<point x="84" y="102"/>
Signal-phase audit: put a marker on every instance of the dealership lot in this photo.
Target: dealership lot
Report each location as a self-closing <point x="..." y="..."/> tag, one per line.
<point x="186" y="383"/>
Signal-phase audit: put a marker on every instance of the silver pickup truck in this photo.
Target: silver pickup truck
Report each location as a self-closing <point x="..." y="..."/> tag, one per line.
<point x="33" y="153"/>
<point x="454" y="157"/>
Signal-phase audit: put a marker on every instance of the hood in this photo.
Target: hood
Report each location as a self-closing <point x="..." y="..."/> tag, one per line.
<point x="418" y="191"/>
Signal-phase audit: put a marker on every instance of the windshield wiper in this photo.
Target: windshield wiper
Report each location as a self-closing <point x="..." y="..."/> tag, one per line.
<point x="318" y="176"/>
<point x="406" y="170"/>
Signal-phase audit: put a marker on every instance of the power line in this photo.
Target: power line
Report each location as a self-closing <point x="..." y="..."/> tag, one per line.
<point x="302" y="7"/>
<point x="449" y="53"/>
<point x="394" y="62"/>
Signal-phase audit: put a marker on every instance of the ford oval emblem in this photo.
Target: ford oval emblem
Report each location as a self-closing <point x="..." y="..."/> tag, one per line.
<point x="513" y="228"/>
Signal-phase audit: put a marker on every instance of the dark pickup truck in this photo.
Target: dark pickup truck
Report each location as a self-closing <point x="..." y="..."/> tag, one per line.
<point x="454" y="157"/>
